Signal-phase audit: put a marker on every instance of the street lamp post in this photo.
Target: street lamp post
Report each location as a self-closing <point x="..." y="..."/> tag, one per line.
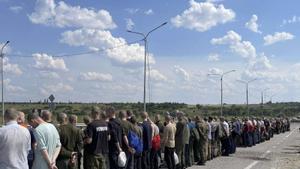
<point x="145" y="36"/>
<point x="262" y="100"/>
<point x="247" y="92"/>
<point x="2" y="78"/>
<point x="221" y="79"/>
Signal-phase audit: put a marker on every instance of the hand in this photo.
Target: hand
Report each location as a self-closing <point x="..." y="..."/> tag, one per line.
<point x="131" y="150"/>
<point x="52" y="166"/>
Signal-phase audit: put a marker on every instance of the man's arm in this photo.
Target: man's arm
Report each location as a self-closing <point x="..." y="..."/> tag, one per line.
<point x="56" y="152"/>
<point x="46" y="158"/>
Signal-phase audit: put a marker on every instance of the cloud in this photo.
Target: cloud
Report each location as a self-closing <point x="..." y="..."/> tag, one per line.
<point x="203" y="16"/>
<point x="149" y="12"/>
<point x="47" y="12"/>
<point x="49" y="74"/>
<point x="16" y="9"/>
<point x="129" y="24"/>
<point x="182" y="73"/>
<point x="47" y="62"/>
<point x="132" y="10"/>
<point x="278" y="37"/>
<point x="292" y="20"/>
<point x="125" y="54"/>
<point x="215" y="71"/>
<point x="213" y="57"/>
<point x="57" y="88"/>
<point x="11" y="68"/>
<point x="234" y="40"/>
<point x="252" y="24"/>
<point x="94" y="76"/>
<point x="157" y="76"/>
<point x="12" y="88"/>
<point x="261" y="63"/>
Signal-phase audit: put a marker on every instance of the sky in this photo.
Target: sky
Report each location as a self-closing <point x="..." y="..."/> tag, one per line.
<point x="81" y="50"/>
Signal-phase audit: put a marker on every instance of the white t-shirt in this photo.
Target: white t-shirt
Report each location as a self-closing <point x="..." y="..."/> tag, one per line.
<point x="15" y="143"/>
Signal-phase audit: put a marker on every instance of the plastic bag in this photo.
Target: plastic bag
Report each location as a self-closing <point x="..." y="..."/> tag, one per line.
<point x="122" y="159"/>
<point x="176" y="159"/>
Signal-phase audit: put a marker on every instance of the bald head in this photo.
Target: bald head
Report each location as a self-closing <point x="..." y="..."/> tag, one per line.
<point x="73" y="119"/>
<point x="21" y="118"/>
<point x="144" y="115"/>
<point x="95" y="113"/>
<point x="62" y="118"/>
<point x="122" y="115"/>
<point x="10" y="115"/>
<point x="46" y="115"/>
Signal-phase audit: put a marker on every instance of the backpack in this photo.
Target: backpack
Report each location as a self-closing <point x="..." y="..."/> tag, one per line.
<point x="156" y="142"/>
<point x="135" y="142"/>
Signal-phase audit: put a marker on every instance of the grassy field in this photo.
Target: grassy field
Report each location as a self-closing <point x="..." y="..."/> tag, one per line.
<point x="82" y="109"/>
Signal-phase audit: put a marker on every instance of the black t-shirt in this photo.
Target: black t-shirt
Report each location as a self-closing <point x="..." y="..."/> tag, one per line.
<point x="147" y="135"/>
<point x="116" y="133"/>
<point x="98" y="131"/>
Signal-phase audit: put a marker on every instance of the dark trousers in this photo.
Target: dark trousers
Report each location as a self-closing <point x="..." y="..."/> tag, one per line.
<point x="187" y="155"/>
<point x="113" y="160"/>
<point x="225" y="146"/>
<point x="130" y="160"/>
<point x="159" y="154"/>
<point x="138" y="161"/>
<point x="146" y="159"/>
<point x="169" y="157"/>
<point x="30" y="163"/>
<point x="153" y="159"/>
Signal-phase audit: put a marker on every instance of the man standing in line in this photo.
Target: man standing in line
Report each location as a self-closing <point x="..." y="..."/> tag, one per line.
<point x="169" y="142"/>
<point x="180" y="140"/>
<point x="97" y="142"/>
<point x="127" y="127"/>
<point x="202" y="129"/>
<point x="15" y="142"/>
<point x="48" y="142"/>
<point x="73" y="121"/>
<point x="147" y="141"/>
<point x="21" y="121"/>
<point x="225" y="137"/>
<point x="71" y="142"/>
<point x="115" y="132"/>
<point x="208" y="146"/>
<point x="161" y="126"/>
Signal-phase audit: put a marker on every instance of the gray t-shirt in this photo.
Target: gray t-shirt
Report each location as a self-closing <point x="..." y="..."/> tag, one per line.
<point x="47" y="138"/>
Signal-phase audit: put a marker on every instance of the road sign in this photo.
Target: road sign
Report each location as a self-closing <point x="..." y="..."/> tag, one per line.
<point x="51" y="98"/>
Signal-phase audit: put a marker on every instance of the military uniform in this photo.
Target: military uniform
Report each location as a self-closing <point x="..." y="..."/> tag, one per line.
<point x="180" y="140"/>
<point x="203" y="130"/>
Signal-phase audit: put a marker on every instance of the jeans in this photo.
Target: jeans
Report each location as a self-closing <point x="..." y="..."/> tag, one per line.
<point x="154" y="159"/>
<point x="146" y="159"/>
<point x="169" y="157"/>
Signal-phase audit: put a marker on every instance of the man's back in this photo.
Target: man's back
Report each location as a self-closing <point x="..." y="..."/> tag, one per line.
<point x="147" y="135"/>
<point x="70" y="139"/>
<point x="14" y="146"/>
<point x="98" y="131"/>
<point x="169" y="135"/>
<point x="47" y="138"/>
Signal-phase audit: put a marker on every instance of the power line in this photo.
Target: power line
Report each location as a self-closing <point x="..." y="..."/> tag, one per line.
<point x="80" y="53"/>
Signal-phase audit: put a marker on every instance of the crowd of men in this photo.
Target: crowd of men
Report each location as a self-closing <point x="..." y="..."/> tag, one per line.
<point x="173" y="142"/>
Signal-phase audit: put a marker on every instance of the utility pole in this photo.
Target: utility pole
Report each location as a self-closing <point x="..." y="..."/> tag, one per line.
<point x="2" y="78"/>
<point x="247" y="92"/>
<point x="221" y="79"/>
<point x="145" y="36"/>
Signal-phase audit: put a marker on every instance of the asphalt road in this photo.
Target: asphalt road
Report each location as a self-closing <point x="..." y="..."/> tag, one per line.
<point x="281" y="152"/>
